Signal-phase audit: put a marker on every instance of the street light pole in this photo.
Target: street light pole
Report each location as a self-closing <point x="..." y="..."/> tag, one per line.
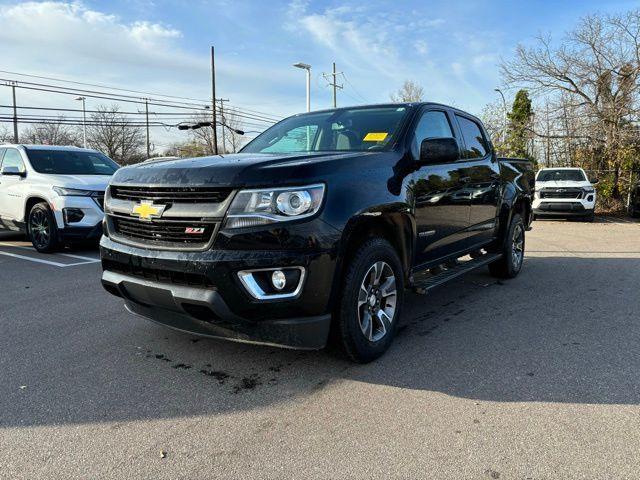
<point x="504" y="110"/>
<point x="84" y="121"/>
<point x="306" y="67"/>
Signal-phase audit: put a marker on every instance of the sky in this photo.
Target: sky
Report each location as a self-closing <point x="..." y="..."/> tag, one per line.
<point x="451" y="48"/>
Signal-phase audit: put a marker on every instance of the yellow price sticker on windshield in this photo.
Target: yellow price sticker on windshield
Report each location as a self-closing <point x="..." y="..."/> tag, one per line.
<point x="375" y="136"/>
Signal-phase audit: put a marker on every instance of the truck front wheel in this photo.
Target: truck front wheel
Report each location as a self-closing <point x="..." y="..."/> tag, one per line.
<point x="512" y="252"/>
<point x="370" y="302"/>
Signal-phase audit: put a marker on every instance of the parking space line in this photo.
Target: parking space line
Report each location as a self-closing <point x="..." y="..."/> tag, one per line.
<point x="24" y="247"/>
<point x="89" y="259"/>
<point x="47" y="262"/>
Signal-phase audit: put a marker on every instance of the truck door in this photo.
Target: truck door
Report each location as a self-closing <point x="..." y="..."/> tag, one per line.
<point x="10" y="187"/>
<point x="484" y="180"/>
<point x="441" y="198"/>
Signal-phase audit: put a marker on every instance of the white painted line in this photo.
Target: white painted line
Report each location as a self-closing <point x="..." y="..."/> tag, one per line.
<point x="37" y="260"/>
<point x="48" y="262"/>
<point x="31" y="249"/>
<point x="89" y="259"/>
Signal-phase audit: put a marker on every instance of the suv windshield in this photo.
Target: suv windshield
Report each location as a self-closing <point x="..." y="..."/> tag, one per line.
<point x="71" y="162"/>
<point x="570" y="175"/>
<point x="344" y="130"/>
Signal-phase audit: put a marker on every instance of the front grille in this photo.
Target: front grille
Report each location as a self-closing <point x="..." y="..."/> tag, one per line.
<point x="163" y="276"/>
<point x="188" y="233"/>
<point x="171" y="194"/>
<point x="562" y="193"/>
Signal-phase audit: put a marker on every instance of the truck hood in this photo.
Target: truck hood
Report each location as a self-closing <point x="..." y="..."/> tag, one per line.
<point x="82" y="182"/>
<point x="245" y="169"/>
<point x="562" y="184"/>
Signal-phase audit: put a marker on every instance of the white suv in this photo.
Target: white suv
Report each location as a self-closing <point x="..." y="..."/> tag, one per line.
<point x="53" y="194"/>
<point x="564" y="192"/>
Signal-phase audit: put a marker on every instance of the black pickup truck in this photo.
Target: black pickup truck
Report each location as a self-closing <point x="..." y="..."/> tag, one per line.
<point x="316" y="228"/>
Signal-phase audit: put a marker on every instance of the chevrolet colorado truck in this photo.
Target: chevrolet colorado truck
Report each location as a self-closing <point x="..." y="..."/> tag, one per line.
<point x="316" y="228"/>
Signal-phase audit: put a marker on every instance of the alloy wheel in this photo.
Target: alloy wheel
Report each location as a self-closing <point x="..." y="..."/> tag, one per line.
<point x="517" y="250"/>
<point x="40" y="228"/>
<point x="377" y="300"/>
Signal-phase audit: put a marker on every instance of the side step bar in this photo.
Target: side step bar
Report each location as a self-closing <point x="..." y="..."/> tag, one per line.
<point x="425" y="281"/>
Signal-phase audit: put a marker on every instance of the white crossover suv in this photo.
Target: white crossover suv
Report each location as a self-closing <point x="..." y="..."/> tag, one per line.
<point x="53" y="194"/>
<point x="564" y="192"/>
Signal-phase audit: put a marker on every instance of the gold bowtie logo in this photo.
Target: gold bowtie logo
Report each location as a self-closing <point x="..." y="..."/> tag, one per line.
<point x="147" y="210"/>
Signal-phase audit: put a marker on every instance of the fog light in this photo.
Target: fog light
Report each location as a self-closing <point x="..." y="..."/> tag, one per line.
<point x="278" y="279"/>
<point x="72" y="215"/>
<point x="590" y="198"/>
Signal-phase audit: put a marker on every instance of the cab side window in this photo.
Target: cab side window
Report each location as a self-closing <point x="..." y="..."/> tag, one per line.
<point x="12" y="158"/>
<point x="1" y="155"/>
<point x="433" y="124"/>
<point x="476" y="145"/>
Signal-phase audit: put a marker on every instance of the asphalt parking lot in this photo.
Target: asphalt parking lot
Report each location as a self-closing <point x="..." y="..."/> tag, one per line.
<point x="538" y="377"/>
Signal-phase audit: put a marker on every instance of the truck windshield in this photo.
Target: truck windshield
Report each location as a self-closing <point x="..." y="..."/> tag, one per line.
<point x="70" y="162"/>
<point x="566" y="175"/>
<point x="349" y="130"/>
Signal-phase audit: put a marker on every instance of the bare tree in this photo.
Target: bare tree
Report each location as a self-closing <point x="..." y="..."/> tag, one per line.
<point x="592" y="76"/>
<point x="55" y="132"/>
<point x="233" y="140"/>
<point x="409" y="92"/>
<point x="112" y="133"/>
<point x="203" y="136"/>
<point x="6" y="136"/>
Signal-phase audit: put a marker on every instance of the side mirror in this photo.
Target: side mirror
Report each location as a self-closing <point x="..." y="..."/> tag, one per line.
<point x="13" y="171"/>
<point x="439" y="150"/>
<point x="594" y="181"/>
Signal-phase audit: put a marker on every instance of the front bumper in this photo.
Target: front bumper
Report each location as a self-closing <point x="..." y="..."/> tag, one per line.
<point x="92" y="213"/>
<point x="80" y="234"/>
<point x="564" y="207"/>
<point x="200" y="293"/>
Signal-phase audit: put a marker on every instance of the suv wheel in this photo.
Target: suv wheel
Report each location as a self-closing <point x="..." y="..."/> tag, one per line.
<point x="512" y="252"/>
<point x="42" y="229"/>
<point x="371" y="300"/>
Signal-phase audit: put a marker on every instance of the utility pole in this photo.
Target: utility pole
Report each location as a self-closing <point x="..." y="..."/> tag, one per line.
<point x="84" y="121"/>
<point x="15" y="114"/>
<point x="146" y="108"/>
<point x="213" y="102"/>
<point x="224" y="122"/>
<point x="334" y="83"/>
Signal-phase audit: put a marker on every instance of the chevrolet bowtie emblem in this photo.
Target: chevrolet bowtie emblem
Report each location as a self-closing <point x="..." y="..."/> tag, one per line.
<point x="147" y="210"/>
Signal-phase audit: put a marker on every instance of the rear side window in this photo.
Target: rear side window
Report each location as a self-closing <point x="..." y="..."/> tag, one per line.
<point x="1" y="155"/>
<point x="12" y="158"/>
<point x="475" y="143"/>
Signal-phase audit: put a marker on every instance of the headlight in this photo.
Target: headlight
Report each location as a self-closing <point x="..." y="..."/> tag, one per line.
<point x="261" y="207"/>
<point x="72" y="192"/>
<point x="589" y="189"/>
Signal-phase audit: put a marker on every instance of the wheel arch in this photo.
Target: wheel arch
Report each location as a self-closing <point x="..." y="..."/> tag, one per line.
<point x="514" y="202"/>
<point x="395" y="227"/>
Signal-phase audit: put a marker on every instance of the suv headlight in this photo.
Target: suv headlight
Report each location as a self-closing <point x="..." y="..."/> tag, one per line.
<point x="261" y="207"/>
<point x="72" y="192"/>
<point x="589" y="189"/>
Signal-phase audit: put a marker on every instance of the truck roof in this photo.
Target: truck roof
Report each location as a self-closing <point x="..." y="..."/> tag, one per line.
<point x="390" y="104"/>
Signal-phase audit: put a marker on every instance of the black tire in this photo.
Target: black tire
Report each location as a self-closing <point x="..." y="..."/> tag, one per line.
<point x="372" y="256"/>
<point x="589" y="218"/>
<point x="42" y="229"/>
<point x="508" y="266"/>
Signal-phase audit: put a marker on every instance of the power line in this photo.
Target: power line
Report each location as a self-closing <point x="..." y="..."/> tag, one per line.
<point x="121" y="98"/>
<point x="147" y="94"/>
